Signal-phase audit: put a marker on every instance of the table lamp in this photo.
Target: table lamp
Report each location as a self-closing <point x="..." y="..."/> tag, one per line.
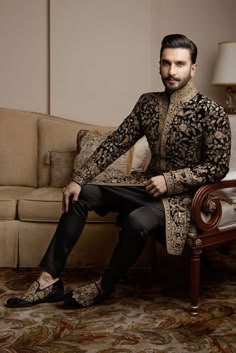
<point x="225" y="73"/>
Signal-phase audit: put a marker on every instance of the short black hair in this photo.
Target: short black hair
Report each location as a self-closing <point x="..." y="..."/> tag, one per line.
<point x="179" y="41"/>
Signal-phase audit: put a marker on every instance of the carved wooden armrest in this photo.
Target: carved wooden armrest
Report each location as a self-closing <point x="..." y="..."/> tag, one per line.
<point x="207" y="201"/>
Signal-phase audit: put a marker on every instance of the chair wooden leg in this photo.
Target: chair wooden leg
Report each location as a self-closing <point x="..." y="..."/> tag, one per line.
<point x="194" y="279"/>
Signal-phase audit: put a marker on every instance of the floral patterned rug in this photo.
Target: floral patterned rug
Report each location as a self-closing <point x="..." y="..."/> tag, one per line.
<point x="143" y="316"/>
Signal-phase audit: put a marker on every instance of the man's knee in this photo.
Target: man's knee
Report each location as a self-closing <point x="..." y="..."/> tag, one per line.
<point x="92" y="195"/>
<point x="143" y="221"/>
<point x="82" y="206"/>
<point x="135" y="225"/>
<point x="86" y="191"/>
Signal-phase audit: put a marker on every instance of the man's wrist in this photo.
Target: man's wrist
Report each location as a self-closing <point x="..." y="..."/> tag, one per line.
<point x="77" y="182"/>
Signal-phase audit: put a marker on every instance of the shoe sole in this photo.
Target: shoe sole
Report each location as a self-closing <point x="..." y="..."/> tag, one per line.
<point x="49" y="300"/>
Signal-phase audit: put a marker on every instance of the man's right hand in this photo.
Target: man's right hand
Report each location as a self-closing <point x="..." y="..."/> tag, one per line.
<point x="71" y="189"/>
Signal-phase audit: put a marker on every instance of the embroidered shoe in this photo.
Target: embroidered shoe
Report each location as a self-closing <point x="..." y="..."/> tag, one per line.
<point x="34" y="295"/>
<point x="83" y="297"/>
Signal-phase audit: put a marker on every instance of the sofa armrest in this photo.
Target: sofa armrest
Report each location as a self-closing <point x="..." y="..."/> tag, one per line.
<point x="208" y="201"/>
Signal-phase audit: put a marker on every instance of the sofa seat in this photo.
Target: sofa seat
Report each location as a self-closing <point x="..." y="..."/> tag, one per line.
<point x="38" y="214"/>
<point x="44" y="205"/>
<point x="9" y="196"/>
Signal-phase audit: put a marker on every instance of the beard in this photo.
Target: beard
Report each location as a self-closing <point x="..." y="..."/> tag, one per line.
<point x="173" y="84"/>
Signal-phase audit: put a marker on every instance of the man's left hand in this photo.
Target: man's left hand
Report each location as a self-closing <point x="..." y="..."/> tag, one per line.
<point x="156" y="186"/>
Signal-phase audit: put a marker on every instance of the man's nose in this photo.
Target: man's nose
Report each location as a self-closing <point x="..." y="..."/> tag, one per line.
<point x="172" y="71"/>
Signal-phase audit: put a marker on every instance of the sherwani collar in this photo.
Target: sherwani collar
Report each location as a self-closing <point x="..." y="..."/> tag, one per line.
<point x="183" y="94"/>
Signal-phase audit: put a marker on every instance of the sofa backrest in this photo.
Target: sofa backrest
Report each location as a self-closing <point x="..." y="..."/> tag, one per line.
<point x="57" y="134"/>
<point x="26" y="138"/>
<point x="18" y="147"/>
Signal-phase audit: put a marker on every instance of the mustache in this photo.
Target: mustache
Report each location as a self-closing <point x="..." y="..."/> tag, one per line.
<point x="171" y="78"/>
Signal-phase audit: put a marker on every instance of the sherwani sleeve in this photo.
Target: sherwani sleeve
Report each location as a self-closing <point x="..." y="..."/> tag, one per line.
<point x="215" y="156"/>
<point x="116" y="144"/>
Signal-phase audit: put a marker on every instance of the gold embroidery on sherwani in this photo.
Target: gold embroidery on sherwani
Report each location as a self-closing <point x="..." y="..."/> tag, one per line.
<point x="163" y="103"/>
<point x="175" y="105"/>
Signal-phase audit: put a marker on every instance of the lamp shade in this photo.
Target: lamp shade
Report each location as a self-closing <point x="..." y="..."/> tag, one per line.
<point x="225" y="66"/>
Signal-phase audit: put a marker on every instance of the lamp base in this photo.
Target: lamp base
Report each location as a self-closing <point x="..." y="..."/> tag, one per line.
<point x="231" y="100"/>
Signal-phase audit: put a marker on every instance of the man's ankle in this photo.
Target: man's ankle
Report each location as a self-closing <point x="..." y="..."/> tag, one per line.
<point x="99" y="285"/>
<point x="45" y="280"/>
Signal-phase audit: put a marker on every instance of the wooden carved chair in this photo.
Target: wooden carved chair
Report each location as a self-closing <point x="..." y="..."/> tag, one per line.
<point x="214" y="220"/>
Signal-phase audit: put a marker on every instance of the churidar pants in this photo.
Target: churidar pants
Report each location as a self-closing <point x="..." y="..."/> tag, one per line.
<point x="139" y="215"/>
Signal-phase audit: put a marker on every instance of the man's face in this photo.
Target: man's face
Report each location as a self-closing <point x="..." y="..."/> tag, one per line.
<point x="176" y="68"/>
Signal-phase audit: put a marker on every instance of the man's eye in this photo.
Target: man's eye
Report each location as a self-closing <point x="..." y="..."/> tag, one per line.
<point x="180" y="64"/>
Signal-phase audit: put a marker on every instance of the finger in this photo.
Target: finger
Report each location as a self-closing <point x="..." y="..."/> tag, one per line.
<point x="66" y="202"/>
<point x="156" y="194"/>
<point x="149" y="187"/>
<point x="75" y="197"/>
<point x="153" y="192"/>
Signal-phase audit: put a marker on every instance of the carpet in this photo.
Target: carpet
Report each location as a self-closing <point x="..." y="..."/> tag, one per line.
<point x="144" y="315"/>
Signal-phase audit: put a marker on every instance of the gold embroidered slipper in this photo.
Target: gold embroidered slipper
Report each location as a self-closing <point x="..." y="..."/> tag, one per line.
<point x="34" y="295"/>
<point x="83" y="297"/>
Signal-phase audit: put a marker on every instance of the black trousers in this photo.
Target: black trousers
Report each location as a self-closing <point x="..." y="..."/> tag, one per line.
<point x="140" y="216"/>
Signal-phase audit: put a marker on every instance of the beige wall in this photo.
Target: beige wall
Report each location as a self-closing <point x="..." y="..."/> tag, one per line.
<point x="103" y="53"/>
<point x="100" y="57"/>
<point x="23" y="54"/>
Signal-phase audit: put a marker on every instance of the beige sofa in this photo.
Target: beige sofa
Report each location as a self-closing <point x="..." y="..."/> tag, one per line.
<point x="29" y="207"/>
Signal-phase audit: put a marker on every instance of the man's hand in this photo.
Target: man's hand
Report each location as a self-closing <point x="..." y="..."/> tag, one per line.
<point x="71" y="189"/>
<point x="156" y="186"/>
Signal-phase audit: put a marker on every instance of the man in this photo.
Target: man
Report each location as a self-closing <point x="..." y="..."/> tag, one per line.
<point x="189" y="138"/>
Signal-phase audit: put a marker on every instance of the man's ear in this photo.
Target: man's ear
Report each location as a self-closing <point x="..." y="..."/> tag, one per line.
<point x="193" y="69"/>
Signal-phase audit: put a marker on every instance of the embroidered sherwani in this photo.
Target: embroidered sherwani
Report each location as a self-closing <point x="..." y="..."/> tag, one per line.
<point x="189" y="138"/>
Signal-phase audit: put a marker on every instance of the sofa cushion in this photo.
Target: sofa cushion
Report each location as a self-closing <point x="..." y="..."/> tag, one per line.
<point x="228" y="203"/>
<point x="57" y="134"/>
<point x="61" y="167"/>
<point x="231" y="175"/>
<point x="228" y="210"/>
<point x="141" y="155"/>
<point x="18" y="148"/>
<point x="87" y="142"/>
<point x="9" y="196"/>
<point x="44" y="205"/>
